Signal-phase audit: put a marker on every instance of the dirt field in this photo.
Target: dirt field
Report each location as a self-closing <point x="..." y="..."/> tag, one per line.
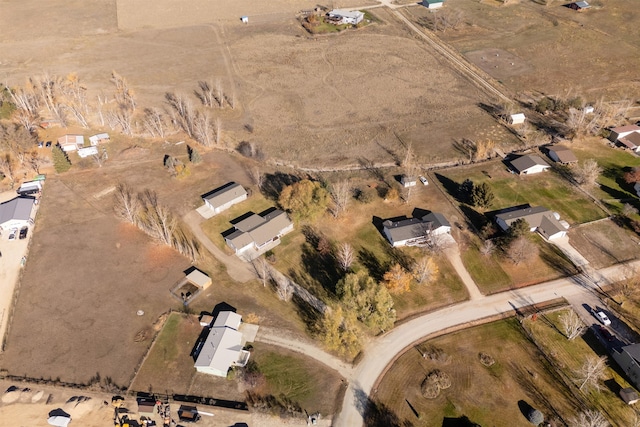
<point x="312" y="101"/>
<point x="604" y="243"/>
<point x="88" y="273"/>
<point x="551" y="49"/>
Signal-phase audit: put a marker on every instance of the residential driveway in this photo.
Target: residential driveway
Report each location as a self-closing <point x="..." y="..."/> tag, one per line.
<point x="11" y="252"/>
<point x="571" y="252"/>
<point x="453" y="254"/>
<point x="239" y="271"/>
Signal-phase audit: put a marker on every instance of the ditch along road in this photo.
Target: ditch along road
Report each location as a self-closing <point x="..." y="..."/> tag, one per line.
<point x="382" y="351"/>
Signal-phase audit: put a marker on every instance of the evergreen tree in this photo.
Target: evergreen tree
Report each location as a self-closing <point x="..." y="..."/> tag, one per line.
<point x="61" y="162"/>
<point x="194" y="155"/>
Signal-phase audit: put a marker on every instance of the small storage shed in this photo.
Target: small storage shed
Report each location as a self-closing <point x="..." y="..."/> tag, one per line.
<point x="629" y="395"/>
<point x="199" y="279"/>
<point x="517" y="119"/>
<point x="433" y="4"/>
<point x="408" y="181"/>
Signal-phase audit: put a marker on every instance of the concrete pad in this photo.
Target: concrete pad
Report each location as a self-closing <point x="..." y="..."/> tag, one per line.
<point x="205" y="211"/>
<point x="249" y="332"/>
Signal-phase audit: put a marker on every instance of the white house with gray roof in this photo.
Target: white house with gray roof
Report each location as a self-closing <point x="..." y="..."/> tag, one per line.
<point x="256" y="233"/>
<point x="529" y="164"/>
<point x="539" y="218"/>
<point x="341" y="16"/>
<point x="224" y="197"/>
<point x="16" y="213"/>
<point x="415" y="231"/>
<point x="223" y="347"/>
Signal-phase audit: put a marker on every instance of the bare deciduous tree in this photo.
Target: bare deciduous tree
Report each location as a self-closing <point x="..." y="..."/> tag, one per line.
<point x="7" y="168"/>
<point x="587" y="173"/>
<point x="25" y="99"/>
<point x="284" y="289"/>
<point x="263" y="269"/>
<point x="256" y="176"/>
<point x="35" y="161"/>
<point x="154" y="122"/>
<point x="126" y="203"/>
<point x="218" y="128"/>
<point x="124" y="96"/>
<point x="488" y="248"/>
<point x="26" y="119"/>
<point x="219" y="93"/>
<point x="521" y="249"/>
<point x="202" y="131"/>
<point x="345" y="256"/>
<point x="425" y="270"/>
<point x="588" y="376"/>
<point x="340" y="195"/>
<point x="75" y="99"/>
<point x="206" y="93"/>
<point x="589" y="418"/>
<point x="571" y="324"/>
<point x="47" y="88"/>
<point x="185" y="114"/>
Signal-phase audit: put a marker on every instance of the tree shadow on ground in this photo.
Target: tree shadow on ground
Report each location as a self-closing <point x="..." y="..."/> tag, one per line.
<point x="556" y="259"/>
<point x="376" y="414"/>
<point x="452" y="187"/>
<point x="475" y="219"/>
<point x="462" y="421"/>
<point x="275" y="182"/>
<point x="309" y="315"/>
<point x="322" y="268"/>
<point x="369" y="260"/>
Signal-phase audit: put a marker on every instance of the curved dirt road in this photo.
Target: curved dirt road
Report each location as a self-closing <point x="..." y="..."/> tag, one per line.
<point x="382" y="351"/>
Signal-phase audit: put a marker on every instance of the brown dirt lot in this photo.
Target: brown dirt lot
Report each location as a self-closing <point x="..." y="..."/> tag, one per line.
<point x="604" y="243"/>
<point x="554" y="49"/>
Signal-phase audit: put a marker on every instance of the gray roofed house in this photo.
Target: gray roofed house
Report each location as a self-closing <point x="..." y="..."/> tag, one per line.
<point x="529" y="164"/>
<point x="628" y="358"/>
<point x="346" y="16"/>
<point x="539" y="218"/>
<point x="257" y="233"/>
<point x="224" y="197"/>
<point x="16" y="213"/>
<point x="414" y="231"/>
<point x="223" y="347"/>
<point x="562" y="154"/>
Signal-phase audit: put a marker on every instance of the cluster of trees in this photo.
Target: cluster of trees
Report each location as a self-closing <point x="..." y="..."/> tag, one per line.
<point x="19" y="151"/>
<point x="479" y="195"/>
<point x="144" y="210"/>
<point x="364" y="300"/>
<point x="66" y="100"/>
<point x="305" y="199"/>
<point x="515" y="244"/>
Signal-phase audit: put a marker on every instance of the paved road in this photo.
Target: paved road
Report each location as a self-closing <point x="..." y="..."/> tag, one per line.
<point x="382" y="351"/>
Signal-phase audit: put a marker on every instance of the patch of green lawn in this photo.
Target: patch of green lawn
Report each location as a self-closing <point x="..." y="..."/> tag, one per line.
<point x="485" y="270"/>
<point x="546" y="189"/>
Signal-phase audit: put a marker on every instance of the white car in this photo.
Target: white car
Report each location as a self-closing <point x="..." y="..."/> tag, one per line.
<point x="12" y="234"/>
<point x="424" y="181"/>
<point x="603" y="318"/>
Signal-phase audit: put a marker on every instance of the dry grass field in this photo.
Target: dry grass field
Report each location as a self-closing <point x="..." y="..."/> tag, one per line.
<point x="88" y="273"/>
<point x="486" y="395"/>
<point x="550" y="49"/>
